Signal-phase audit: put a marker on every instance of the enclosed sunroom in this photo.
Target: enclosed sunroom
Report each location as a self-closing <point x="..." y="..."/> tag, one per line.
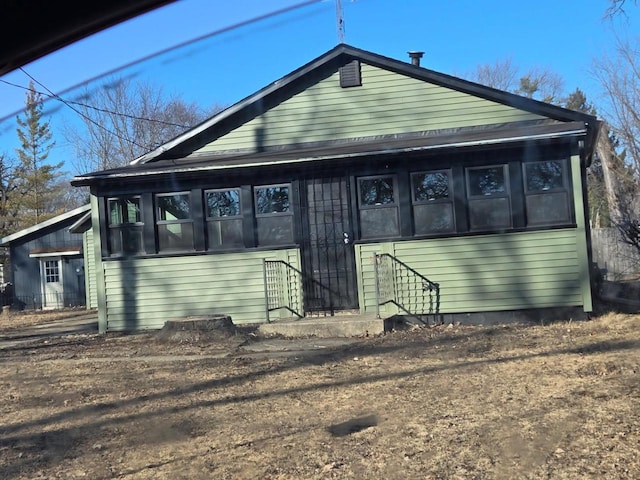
<point x="359" y="184"/>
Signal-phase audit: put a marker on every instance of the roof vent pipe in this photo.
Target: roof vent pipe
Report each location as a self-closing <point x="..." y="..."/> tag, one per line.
<point x="415" y="57"/>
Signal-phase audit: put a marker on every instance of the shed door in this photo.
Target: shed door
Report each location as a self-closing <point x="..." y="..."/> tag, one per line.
<point x="328" y="256"/>
<point x="52" y="290"/>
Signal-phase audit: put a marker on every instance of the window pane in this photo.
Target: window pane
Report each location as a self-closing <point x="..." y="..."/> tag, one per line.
<point x="272" y="200"/>
<point x="436" y="218"/>
<point x="275" y="230"/>
<point x="543" y="176"/>
<point x="548" y="208"/>
<point x="225" y="233"/>
<point x="486" y="181"/>
<point x="379" y="222"/>
<point x="175" y="236"/>
<point x="132" y="210"/>
<point x="430" y="186"/>
<point x="174" y="207"/>
<point x="490" y="213"/>
<point x="376" y="191"/>
<point x="223" y="204"/>
<point x="115" y="241"/>
<point x="124" y="210"/>
<point x="131" y="239"/>
<point x="52" y="273"/>
<point x="115" y="214"/>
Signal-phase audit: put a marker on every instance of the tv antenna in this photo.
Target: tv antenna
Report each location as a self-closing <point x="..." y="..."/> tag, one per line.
<point x="340" y="21"/>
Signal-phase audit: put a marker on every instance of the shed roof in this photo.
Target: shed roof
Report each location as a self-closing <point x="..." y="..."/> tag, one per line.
<point x="77" y="212"/>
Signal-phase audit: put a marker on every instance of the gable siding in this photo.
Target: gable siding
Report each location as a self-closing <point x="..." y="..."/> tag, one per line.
<point x="144" y="293"/>
<point x="386" y="103"/>
<point x="489" y="272"/>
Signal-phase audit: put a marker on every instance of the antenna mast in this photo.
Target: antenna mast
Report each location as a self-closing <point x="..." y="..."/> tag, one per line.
<point x="340" y="21"/>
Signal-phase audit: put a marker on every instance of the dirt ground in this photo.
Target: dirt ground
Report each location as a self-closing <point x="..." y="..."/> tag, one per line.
<point x="559" y="401"/>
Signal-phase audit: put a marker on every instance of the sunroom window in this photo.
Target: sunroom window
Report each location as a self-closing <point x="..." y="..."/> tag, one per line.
<point x="125" y="225"/>
<point x="224" y="218"/>
<point x="378" y="204"/>
<point x="274" y="215"/>
<point x="432" y="202"/>
<point x="489" y="197"/>
<point x="174" y="221"/>
<point x="547" y="195"/>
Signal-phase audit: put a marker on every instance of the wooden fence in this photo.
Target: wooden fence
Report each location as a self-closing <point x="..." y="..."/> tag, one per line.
<point x="616" y="259"/>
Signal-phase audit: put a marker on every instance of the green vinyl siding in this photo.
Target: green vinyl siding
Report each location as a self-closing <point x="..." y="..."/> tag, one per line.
<point x="144" y="293"/>
<point x="91" y="289"/>
<point x="490" y="272"/>
<point x="386" y="103"/>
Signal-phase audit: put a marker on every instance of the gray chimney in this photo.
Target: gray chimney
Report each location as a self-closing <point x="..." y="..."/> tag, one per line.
<point x="415" y="57"/>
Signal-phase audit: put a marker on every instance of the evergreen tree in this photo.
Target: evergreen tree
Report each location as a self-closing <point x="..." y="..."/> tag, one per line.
<point x="40" y="189"/>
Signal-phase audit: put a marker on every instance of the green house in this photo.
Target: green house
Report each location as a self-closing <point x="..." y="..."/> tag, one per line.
<point x="356" y="183"/>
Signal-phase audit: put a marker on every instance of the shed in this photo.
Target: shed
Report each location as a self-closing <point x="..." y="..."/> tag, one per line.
<point x="47" y="264"/>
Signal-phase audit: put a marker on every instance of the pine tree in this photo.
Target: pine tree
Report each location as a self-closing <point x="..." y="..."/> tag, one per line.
<point x="38" y="182"/>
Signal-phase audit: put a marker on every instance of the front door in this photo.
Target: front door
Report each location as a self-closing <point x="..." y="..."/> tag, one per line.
<point x="52" y="289"/>
<point x="328" y="258"/>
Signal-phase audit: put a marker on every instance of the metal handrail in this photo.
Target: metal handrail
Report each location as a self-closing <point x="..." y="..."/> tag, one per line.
<point x="398" y="283"/>
<point x="282" y="287"/>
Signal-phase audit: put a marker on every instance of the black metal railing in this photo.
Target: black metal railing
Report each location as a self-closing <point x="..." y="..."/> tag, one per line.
<point x="38" y="301"/>
<point x="282" y="287"/>
<point x="408" y="289"/>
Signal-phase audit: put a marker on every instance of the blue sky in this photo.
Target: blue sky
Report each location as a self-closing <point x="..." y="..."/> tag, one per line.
<point x="561" y="35"/>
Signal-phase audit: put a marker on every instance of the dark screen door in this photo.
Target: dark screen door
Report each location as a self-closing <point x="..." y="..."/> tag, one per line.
<point x="328" y="256"/>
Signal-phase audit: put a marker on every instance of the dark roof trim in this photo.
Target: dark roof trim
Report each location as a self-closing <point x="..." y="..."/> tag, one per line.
<point x="352" y="150"/>
<point x="345" y="53"/>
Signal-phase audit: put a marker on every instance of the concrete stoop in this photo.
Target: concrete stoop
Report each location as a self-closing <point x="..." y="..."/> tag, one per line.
<point x="325" y="327"/>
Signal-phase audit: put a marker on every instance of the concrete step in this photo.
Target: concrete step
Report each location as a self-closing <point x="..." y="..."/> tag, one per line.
<point x="337" y="326"/>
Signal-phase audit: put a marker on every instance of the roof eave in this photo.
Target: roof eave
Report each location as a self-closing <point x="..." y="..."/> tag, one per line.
<point x="570" y="130"/>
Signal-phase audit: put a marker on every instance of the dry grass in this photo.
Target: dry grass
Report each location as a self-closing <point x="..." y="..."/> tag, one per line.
<point x="558" y="401"/>
<point x="19" y="319"/>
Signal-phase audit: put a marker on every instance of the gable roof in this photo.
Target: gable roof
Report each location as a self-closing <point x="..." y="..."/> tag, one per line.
<point x="164" y="158"/>
<point x="70" y="215"/>
<point x="343" y="54"/>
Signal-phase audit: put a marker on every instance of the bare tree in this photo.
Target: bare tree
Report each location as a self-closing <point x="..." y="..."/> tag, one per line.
<point x="617" y="7"/>
<point x="620" y="79"/>
<point x="9" y="204"/>
<point x="538" y="82"/>
<point x="542" y="84"/>
<point x="501" y="75"/>
<point x="124" y="120"/>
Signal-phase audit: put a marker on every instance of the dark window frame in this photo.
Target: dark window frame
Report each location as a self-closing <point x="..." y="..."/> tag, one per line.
<point x="472" y="198"/>
<point x="394" y="205"/>
<point x="126" y="227"/>
<point x="565" y="191"/>
<point x="288" y="212"/>
<point x="239" y="217"/>
<point x="180" y="221"/>
<point x="287" y="215"/>
<point x="449" y="199"/>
